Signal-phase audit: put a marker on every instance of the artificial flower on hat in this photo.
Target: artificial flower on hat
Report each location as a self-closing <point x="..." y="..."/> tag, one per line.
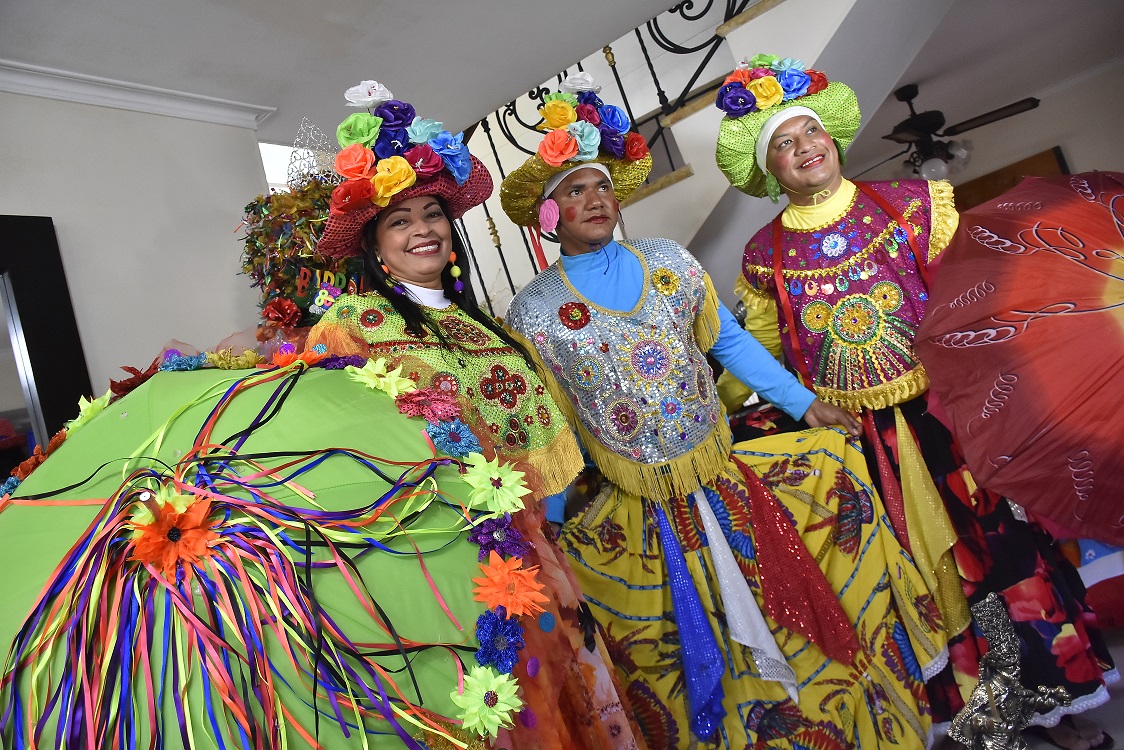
<point x="757" y="90"/>
<point x="389" y="154"/>
<point x="579" y="128"/>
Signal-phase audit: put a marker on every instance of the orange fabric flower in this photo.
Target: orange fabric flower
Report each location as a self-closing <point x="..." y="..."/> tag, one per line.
<point x="506" y="585"/>
<point x="557" y="147"/>
<point x="38" y="456"/>
<point x="741" y="75"/>
<point x="176" y="537"/>
<point x="355" y="162"/>
<point x="284" y="357"/>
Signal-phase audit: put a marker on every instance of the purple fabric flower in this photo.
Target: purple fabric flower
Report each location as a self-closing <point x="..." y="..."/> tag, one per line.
<point x="736" y="100"/>
<point x="391" y="142"/>
<point x="501" y="639"/>
<point x="794" y="83"/>
<point x="590" y="97"/>
<point x="336" y="362"/>
<point x="395" y="114"/>
<point x="612" y="142"/>
<point x="496" y="534"/>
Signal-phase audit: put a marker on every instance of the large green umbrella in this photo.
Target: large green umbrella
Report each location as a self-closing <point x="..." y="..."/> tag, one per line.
<point x="170" y="658"/>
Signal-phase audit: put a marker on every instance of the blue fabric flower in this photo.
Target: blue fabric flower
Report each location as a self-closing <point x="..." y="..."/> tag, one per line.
<point x="176" y="362"/>
<point x="614" y="117"/>
<point x="590" y="97"/>
<point x="452" y="151"/>
<point x="787" y="63"/>
<point x="453" y="438"/>
<point x="794" y="83"/>
<point x="391" y="142"/>
<point x="500" y="639"/>
<point x="736" y="100"/>
<point x="422" y="130"/>
<point x="11" y="484"/>
<point x="395" y="114"/>
<point x="612" y="142"/>
<point x="588" y="138"/>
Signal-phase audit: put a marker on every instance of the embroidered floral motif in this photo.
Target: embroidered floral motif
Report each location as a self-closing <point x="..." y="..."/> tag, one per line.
<point x="543" y="414"/>
<point x="623" y="419"/>
<point x="447" y="383"/>
<point x="515" y="436"/>
<point x="574" y="315"/>
<point x="371" y="318"/>
<point x="833" y="245"/>
<point x="856" y="320"/>
<point x="503" y="386"/>
<point x="463" y="331"/>
<point x="665" y="282"/>
<point x="703" y="382"/>
<point x="887" y="295"/>
<point x="817" y="316"/>
<point x="651" y="359"/>
<point x="588" y="373"/>
<point x="671" y="408"/>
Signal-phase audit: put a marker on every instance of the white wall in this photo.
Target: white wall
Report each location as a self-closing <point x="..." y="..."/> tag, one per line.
<point x="145" y="208"/>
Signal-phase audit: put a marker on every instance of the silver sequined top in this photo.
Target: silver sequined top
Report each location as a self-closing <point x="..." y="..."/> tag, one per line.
<point x="636" y="379"/>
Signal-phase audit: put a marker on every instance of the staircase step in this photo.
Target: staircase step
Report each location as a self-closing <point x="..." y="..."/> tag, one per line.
<point x="746" y="16"/>
<point x="658" y="184"/>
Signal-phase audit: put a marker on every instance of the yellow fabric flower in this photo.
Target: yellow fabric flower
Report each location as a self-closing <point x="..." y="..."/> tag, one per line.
<point x="87" y="410"/>
<point x="556" y="114"/>
<point x="767" y="90"/>
<point x="392" y="175"/>
<point x="374" y="375"/>
<point x="665" y="281"/>
<point x="494" y="486"/>
<point x="227" y="360"/>
<point x="488" y="701"/>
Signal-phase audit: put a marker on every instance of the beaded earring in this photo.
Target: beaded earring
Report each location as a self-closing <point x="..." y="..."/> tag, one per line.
<point x="398" y="288"/>
<point x="455" y="272"/>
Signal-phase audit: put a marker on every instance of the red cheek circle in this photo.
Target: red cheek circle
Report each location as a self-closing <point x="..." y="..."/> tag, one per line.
<point x="570" y="212"/>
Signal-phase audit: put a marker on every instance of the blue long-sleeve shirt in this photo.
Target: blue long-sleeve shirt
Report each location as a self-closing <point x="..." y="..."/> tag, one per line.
<point x="613" y="277"/>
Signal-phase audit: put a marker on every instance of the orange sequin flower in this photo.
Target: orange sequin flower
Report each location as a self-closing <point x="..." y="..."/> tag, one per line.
<point x="176" y="537"/>
<point x="505" y="584"/>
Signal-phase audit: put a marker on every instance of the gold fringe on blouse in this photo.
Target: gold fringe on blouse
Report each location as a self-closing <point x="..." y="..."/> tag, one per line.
<point x="943" y="218"/>
<point x="897" y="391"/>
<point x="707" y="323"/>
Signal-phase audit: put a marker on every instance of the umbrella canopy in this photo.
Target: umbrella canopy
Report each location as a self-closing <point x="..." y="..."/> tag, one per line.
<point x="1024" y="343"/>
<point x="335" y="581"/>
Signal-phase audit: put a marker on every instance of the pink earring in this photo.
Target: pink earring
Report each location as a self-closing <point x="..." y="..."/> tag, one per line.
<point x="548" y="215"/>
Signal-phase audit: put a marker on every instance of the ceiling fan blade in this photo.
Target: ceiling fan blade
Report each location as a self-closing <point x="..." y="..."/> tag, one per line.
<point x="903" y="136"/>
<point x="1023" y="105"/>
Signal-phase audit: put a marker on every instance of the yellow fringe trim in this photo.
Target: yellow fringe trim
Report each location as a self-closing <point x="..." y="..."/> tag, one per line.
<point x="943" y="218"/>
<point x="558" y="463"/>
<point x="676" y="477"/>
<point x="931" y="535"/>
<point x="760" y="316"/>
<point x="708" y="323"/>
<point x="897" y="391"/>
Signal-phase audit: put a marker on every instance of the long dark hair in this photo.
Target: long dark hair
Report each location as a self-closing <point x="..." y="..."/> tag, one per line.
<point x="416" y="319"/>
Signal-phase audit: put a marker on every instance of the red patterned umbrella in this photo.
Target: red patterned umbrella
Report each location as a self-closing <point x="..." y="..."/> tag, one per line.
<point x="1024" y="343"/>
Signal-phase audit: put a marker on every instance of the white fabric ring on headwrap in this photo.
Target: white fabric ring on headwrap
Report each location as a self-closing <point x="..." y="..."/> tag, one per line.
<point x="554" y="181"/>
<point x="773" y="123"/>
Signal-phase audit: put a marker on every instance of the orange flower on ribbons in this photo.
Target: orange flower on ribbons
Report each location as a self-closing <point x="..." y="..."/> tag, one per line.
<point x="505" y="584"/>
<point x="176" y="537"/>
<point x="557" y="147"/>
<point x="287" y="354"/>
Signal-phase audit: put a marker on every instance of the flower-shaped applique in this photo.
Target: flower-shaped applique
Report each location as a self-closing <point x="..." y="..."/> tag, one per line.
<point x="375" y="375"/>
<point x="496" y="534"/>
<point x="501" y="638"/>
<point x="176" y="537"/>
<point x="665" y="281"/>
<point x="488" y="701"/>
<point x="495" y="487"/>
<point x="228" y="360"/>
<point x="453" y="438"/>
<point x="429" y="403"/>
<point x="506" y="584"/>
<point x="287" y="354"/>
<point x="574" y="315"/>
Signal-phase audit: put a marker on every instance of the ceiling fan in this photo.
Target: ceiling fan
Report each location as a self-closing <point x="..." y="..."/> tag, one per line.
<point x="920" y="132"/>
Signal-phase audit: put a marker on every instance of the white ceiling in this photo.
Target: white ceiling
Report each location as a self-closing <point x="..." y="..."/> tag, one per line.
<point x="988" y="53"/>
<point x="454" y="60"/>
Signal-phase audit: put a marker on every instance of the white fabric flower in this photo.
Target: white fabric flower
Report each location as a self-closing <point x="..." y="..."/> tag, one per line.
<point x="576" y="82"/>
<point x="367" y="94"/>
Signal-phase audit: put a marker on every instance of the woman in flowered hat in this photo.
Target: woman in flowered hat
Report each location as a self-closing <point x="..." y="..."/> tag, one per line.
<point x="750" y="594"/>
<point x="838" y="282"/>
<point x="406" y="180"/>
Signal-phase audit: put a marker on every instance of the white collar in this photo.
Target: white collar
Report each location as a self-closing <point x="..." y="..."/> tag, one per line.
<point x="425" y="296"/>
